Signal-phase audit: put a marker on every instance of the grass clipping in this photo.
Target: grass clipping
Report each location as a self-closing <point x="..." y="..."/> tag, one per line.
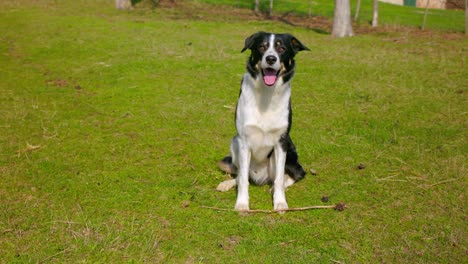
<point x="338" y="207"/>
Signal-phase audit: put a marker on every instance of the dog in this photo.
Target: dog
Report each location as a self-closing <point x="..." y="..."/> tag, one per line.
<point x="262" y="152"/>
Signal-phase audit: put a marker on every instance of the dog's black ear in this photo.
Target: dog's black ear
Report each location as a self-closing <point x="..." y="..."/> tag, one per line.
<point x="250" y="41"/>
<point x="297" y="45"/>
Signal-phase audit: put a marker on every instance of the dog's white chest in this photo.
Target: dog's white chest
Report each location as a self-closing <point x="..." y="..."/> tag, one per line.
<point x="261" y="142"/>
<point x="262" y="118"/>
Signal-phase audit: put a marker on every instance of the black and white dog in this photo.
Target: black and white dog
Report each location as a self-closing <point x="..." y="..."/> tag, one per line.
<point x="262" y="151"/>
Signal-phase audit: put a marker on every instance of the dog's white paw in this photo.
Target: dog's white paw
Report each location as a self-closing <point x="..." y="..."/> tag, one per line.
<point x="280" y="207"/>
<point x="288" y="182"/>
<point x="226" y="185"/>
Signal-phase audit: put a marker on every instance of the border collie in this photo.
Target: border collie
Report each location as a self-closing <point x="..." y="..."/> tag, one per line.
<point x="262" y="151"/>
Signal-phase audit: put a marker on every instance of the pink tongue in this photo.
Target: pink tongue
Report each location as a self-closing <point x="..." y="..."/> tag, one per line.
<point x="269" y="76"/>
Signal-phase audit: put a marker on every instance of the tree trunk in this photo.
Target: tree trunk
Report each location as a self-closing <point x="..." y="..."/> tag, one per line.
<point x="123" y="4"/>
<point x="425" y="15"/>
<point x="270" y="14"/>
<point x="342" y="19"/>
<point x="257" y="7"/>
<point x="466" y="17"/>
<point x="375" y="15"/>
<point x="358" y="6"/>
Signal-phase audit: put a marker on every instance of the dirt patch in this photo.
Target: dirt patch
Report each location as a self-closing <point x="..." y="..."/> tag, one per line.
<point x="60" y="83"/>
<point x="230" y="243"/>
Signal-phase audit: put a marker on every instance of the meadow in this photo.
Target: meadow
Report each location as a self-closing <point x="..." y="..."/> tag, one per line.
<point x="111" y="124"/>
<point x="389" y="14"/>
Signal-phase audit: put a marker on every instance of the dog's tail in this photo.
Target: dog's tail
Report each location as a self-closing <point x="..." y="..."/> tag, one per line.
<point x="227" y="166"/>
<point x="292" y="167"/>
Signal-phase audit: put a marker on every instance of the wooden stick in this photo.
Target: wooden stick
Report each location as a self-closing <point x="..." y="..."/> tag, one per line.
<point x="441" y="182"/>
<point x="389" y="178"/>
<point x="54" y="255"/>
<point x="338" y="207"/>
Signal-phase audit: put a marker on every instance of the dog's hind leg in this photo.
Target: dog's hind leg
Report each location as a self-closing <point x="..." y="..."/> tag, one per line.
<point x="288" y="181"/>
<point x="226" y="185"/>
<point x="227" y="166"/>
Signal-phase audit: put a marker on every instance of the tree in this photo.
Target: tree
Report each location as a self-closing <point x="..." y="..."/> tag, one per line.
<point x="466" y="17"/>
<point x="310" y="8"/>
<point x="123" y="4"/>
<point x="358" y="6"/>
<point x="270" y="14"/>
<point x="425" y="14"/>
<point x="342" y="19"/>
<point x="257" y="6"/>
<point x="375" y="15"/>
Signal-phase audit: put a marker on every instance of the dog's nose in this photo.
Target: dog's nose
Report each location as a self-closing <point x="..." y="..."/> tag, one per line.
<point x="271" y="59"/>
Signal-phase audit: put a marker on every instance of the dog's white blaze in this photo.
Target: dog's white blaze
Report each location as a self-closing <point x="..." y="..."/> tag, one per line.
<point x="271" y="48"/>
<point x="271" y="52"/>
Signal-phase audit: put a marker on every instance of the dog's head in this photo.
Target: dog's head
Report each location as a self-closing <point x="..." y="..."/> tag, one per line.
<point x="272" y="56"/>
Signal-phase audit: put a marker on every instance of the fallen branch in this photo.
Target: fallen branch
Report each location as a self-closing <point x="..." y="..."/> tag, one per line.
<point x="338" y="207"/>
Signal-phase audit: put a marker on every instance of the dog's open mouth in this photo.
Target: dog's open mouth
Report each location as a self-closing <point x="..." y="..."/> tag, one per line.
<point x="270" y="76"/>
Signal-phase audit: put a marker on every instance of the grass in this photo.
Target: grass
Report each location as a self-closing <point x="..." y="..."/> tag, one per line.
<point x="112" y="122"/>
<point x="389" y="15"/>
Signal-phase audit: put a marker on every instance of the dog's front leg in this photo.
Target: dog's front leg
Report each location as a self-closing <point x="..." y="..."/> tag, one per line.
<point x="279" y="196"/>
<point x="243" y="151"/>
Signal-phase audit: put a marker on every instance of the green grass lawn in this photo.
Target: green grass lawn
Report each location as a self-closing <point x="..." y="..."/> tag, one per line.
<point x="111" y="124"/>
<point x="389" y="15"/>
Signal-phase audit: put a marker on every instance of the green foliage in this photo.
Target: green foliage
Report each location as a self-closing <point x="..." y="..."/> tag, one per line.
<point x="112" y="121"/>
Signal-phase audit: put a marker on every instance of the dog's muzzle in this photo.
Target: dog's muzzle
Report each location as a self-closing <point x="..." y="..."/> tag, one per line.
<point x="269" y="71"/>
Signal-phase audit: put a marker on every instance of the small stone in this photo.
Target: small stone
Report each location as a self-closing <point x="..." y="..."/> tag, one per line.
<point x="361" y="166"/>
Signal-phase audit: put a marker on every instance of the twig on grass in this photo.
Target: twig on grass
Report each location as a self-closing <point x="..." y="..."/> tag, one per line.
<point x="336" y="261"/>
<point x="29" y="148"/>
<point x="229" y="106"/>
<point x="64" y="222"/>
<point x="441" y="182"/>
<point x="54" y="255"/>
<point x="390" y="178"/>
<point x="338" y="207"/>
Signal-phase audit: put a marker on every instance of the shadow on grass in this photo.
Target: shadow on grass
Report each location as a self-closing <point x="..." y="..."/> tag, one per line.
<point x="317" y="24"/>
<point x="315" y="29"/>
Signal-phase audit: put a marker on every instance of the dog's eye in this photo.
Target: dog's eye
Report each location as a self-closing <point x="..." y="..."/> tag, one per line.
<point x="279" y="47"/>
<point x="263" y="47"/>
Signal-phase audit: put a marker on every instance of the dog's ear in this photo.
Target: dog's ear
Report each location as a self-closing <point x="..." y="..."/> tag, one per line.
<point x="250" y="41"/>
<point x="296" y="44"/>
